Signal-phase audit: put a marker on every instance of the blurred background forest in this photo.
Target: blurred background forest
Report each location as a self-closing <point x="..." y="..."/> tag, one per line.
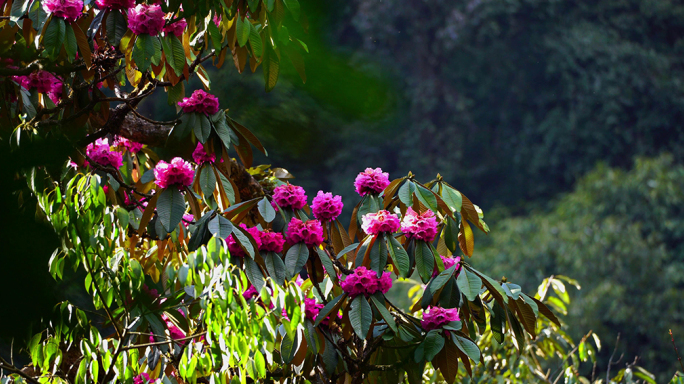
<point x="561" y="119"/>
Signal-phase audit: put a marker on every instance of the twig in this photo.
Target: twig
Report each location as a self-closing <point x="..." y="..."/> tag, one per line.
<point x="610" y="362"/>
<point x="11" y="368"/>
<point x="681" y="365"/>
<point x="560" y="367"/>
<point x="176" y="341"/>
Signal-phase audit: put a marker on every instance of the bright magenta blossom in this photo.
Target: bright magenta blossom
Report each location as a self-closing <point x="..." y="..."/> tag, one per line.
<point x="115" y="4"/>
<point x="100" y="153"/>
<point x="382" y="221"/>
<point x="366" y="282"/>
<point x="142" y="378"/>
<point x="371" y="181"/>
<point x="311" y="232"/>
<point x="419" y="226"/>
<point x="177" y="28"/>
<point x="289" y="196"/>
<point x="44" y="82"/>
<point x="326" y="207"/>
<point x="436" y="317"/>
<point x="131" y="146"/>
<point x="67" y="9"/>
<point x="178" y="173"/>
<point x="175" y="332"/>
<point x="147" y="19"/>
<point x="234" y="245"/>
<point x="448" y="263"/>
<point x="201" y="156"/>
<point x="272" y="242"/>
<point x="250" y="292"/>
<point x="311" y="308"/>
<point x="200" y="102"/>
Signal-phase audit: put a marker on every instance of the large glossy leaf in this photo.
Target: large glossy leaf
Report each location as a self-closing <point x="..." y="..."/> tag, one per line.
<point x="293" y="7"/>
<point x="433" y="343"/>
<point x="399" y="256"/>
<point x="295" y="258"/>
<point x="207" y="180"/>
<point x="467" y="346"/>
<point x="253" y="273"/>
<point x="328" y="308"/>
<point x="426" y="197"/>
<point x="441" y="279"/>
<point x="70" y="44"/>
<point x="241" y="235"/>
<point x="469" y="283"/>
<point x="174" y="52"/>
<point x="170" y="208"/>
<point x="116" y="27"/>
<point x="327" y="263"/>
<point x="275" y="267"/>
<point x="360" y="316"/>
<point x="220" y="226"/>
<point x="266" y="210"/>
<point x="242" y="30"/>
<point x="54" y="36"/>
<point x="452" y="198"/>
<point x="425" y="260"/>
<point x="144" y="51"/>
<point x="406" y="193"/>
<point x="202" y="128"/>
<point x="379" y="302"/>
<point x="288" y="347"/>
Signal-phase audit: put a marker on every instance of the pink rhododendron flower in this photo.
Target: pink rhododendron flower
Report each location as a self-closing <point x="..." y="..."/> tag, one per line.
<point x="187" y="219"/>
<point x="366" y="282"/>
<point x="130" y="145"/>
<point x="142" y="378"/>
<point x="175" y="332"/>
<point x="177" y="28"/>
<point x="115" y="4"/>
<point x="200" y="102"/>
<point x="201" y="156"/>
<point x="250" y="292"/>
<point x="234" y="246"/>
<point x="146" y="19"/>
<point x="217" y="20"/>
<point x="178" y="173"/>
<point x="100" y="153"/>
<point x="311" y="308"/>
<point x="371" y="181"/>
<point x="326" y="207"/>
<point x="272" y="242"/>
<point x="310" y="232"/>
<point x="436" y="317"/>
<point x="67" y="9"/>
<point x="419" y="226"/>
<point x="448" y="263"/>
<point x="381" y="221"/>
<point x="289" y="196"/>
<point x="44" y="82"/>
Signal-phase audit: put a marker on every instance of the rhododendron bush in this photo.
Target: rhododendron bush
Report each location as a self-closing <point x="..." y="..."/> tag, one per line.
<point x="201" y="266"/>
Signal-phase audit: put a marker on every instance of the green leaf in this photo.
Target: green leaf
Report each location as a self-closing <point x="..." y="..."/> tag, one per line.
<point x="207" y="180"/>
<point x="203" y="129"/>
<point x="288" y="347"/>
<point x="398" y="255"/>
<point x="255" y="41"/>
<point x="379" y="303"/>
<point x="241" y="237"/>
<point x="327" y="263"/>
<point x="425" y="260"/>
<point x="70" y="44"/>
<point x="175" y="54"/>
<point x="275" y="267"/>
<point x="221" y="128"/>
<point x="216" y="37"/>
<point x="360" y="316"/>
<point x="253" y="273"/>
<point x="450" y="234"/>
<point x="295" y="258"/>
<point x="242" y="30"/>
<point x="512" y="290"/>
<point x="467" y="346"/>
<point x="325" y="311"/>
<point x="116" y="27"/>
<point x="293" y="7"/>
<point x="144" y="51"/>
<point x="469" y="283"/>
<point x="433" y="343"/>
<point x="266" y="210"/>
<point x="426" y="197"/>
<point x="54" y="37"/>
<point x="406" y="193"/>
<point x="452" y="198"/>
<point x="220" y="226"/>
<point x="347" y="249"/>
<point x="441" y="279"/>
<point x="170" y="208"/>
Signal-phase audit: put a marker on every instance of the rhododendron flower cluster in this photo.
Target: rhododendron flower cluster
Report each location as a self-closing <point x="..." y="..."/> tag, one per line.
<point x="371" y="181"/>
<point x="310" y="232"/>
<point x="174" y="331"/>
<point x="44" y="82"/>
<point x="421" y="226"/>
<point x="250" y="292"/>
<point x="177" y="28"/>
<point x="147" y="19"/>
<point x="201" y="156"/>
<point x="142" y="378"/>
<point x="436" y="317"/>
<point x="130" y="145"/>
<point x="178" y="173"/>
<point x="326" y="207"/>
<point x="67" y="9"/>
<point x="115" y="4"/>
<point x="289" y="196"/>
<point x="100" y="153"/>
<point x="381" y="221"/>
<point x="448" y="263"/>
<point x="200" y="102"/>
<point x="271" y="242"/>
<point x="366" y="282"/>
<point x="234" y="246"/>
<point x="311" y="308"/>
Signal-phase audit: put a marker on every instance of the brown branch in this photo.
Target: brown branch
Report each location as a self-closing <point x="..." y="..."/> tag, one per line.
<point x="11" y="368"/>
<point x="610" y="362"/>
<point x="681" y="365"/>
<point x="176" y="341"/>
